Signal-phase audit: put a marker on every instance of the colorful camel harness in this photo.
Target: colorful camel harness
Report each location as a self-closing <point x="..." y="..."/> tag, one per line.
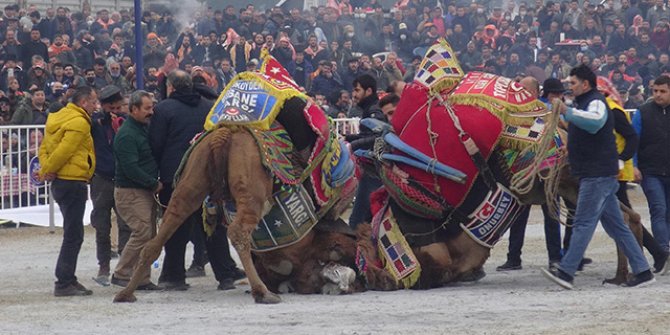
<point x="251" y="102"/>
<point x="458" y="142"/>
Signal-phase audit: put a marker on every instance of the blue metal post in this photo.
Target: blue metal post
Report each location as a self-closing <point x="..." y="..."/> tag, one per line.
<point x="139" y="64"/>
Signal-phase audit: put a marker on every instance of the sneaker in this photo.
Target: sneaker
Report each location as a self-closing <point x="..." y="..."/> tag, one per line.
<point x="662" y="264"/>
<point x="71" y="290"/>
<point x="642" y="279"/>
<point x="509" y="266"/>
<point x="559" y="277"/>
<point x="554" y="264"/>
<point x="195" y="271"/>
<point x="119" y="282"/>
<point x="149" y="287"/>
<point x="102" y="280"/>
<point x="226" y="284"/>
<point x="173" y="286"/>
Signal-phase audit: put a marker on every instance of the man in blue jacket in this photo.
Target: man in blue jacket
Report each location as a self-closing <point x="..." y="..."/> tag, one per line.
<point x="594" y="160"/>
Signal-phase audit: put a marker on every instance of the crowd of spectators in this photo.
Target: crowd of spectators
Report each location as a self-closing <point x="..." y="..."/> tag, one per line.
<point x="45" y="54"/>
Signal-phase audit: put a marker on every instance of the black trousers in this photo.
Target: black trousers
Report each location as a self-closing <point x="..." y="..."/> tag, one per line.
<point x="218" y="250"/>
<point x="102" y="196"/>
<point x="71" y="198"/>
<point x="517" y="233"/>
<point x="200" y="257"/>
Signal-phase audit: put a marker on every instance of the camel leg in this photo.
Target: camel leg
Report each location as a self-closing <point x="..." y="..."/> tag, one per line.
<point x="187" y="198"/>
<point x="634" y="222"/>
<point x="251" y="187"/>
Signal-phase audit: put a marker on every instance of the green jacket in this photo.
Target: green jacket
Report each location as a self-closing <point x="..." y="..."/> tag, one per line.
<point x="26" y="114"/>
<point x="135" y="165"/>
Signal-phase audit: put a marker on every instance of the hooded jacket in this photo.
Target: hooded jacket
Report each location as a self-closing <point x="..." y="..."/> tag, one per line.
<point x="67" y="148"/>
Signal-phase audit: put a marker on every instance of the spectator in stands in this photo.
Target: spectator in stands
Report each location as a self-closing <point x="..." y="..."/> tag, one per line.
<point x="557" y="68"/>
<point x="114" y="77"/>
<point x="41" y="24"/>
<point x="303" y="70"/>
<point x="37" y="77"/>
<point x="5" y="110"/>
<point x="34" y="47"/>
<point x="61" y="24"/>
<point x="153" y="52"/>
<point x="11" y="70"/>
<point x="326" y="83"/>
<point x="225" y="73"/>
<point x="341" y="103"/>
<point x="33" y="111"/>
<point x="385" y="72"/>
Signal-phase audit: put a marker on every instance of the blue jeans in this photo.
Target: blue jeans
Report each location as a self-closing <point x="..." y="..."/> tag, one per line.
<point x="71" y="198"/>
<point x="361" y="211"/>
<point x="597" y="200"/>
<point x="657" y="191"/>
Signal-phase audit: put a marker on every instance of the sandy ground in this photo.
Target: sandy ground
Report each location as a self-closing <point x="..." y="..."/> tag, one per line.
<point x="518" y="302"/>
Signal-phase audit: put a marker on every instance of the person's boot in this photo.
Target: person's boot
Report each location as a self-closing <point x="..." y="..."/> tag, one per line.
<point x="103" y="275"/>
<point x="195" y="270"/>
<point x="510" y="266"/>
<point x="660" y="256"/>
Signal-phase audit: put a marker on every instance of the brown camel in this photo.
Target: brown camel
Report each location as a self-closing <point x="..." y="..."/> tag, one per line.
<point x="213" y="168"/>
<point x="459" y="258"/>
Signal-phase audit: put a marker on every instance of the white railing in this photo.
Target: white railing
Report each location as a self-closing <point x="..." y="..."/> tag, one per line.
<point x="347" y="126"/>
<point x="17" y="151"/>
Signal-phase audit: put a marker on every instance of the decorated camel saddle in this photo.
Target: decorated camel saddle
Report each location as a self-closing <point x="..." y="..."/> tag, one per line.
<point x="461" y="148"/>
<point x="312" y="169"/>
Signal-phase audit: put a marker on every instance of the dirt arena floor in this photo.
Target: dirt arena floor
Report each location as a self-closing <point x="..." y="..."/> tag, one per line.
<point x="517" y="302"/>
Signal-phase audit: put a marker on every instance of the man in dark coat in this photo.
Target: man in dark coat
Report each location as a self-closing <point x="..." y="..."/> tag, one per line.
<point x="176" y="121"/>
<point x="104" y="126"/>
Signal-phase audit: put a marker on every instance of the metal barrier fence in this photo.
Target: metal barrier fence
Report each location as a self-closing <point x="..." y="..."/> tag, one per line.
<point x="347" y="126"/>
<point x="17" y="152"/>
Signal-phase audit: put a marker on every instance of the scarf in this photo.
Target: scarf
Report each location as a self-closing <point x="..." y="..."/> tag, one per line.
<point x="105" y="25"/>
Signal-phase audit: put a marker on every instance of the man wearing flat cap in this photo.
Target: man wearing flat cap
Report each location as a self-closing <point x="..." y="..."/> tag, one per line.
<point x="105" y="124"/>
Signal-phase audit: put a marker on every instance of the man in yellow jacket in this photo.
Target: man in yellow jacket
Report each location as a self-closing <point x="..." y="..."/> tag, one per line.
<point x="67" y="160"/>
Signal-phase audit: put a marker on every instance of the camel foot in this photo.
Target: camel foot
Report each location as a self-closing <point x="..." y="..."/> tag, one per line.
<point x="125" y="296"/>
<point x="267" y="298"/>
<point x="474" y="275"/>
